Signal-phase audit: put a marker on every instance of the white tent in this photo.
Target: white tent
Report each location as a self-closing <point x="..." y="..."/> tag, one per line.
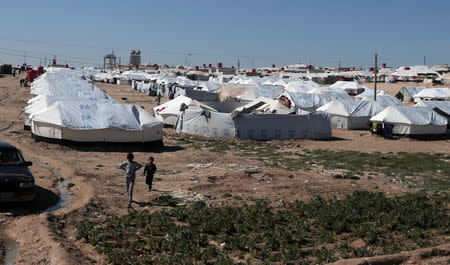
<point x="331" y="93"/>
<point x="199" y="121"/>
<point x="368" y="92"/>
<point x="257" y="91"/>
<point x="412" y="120"/>
<point x="96" y="122"/>
<point x="264" y="105"/>
<point x="168" y="112"/>
<point x="351" y="87"/>
<point x="385" y="100"/>
<point x="433" y="94"/>
<point x="305" y="101"/>
<point x="443" y="106"/>
<point x="300" y="86"/>
<point x="60" y="83"/>
<point x="351" y="115"/>
<point x="45" y="101"/>
<point x="209" y="86"/>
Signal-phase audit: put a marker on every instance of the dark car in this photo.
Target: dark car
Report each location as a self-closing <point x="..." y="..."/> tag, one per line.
<point x="16" y="181"/>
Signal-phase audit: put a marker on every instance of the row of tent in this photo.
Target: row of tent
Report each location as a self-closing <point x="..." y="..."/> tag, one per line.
<point x="306" y="98"/>
<point x="66" y="106"/>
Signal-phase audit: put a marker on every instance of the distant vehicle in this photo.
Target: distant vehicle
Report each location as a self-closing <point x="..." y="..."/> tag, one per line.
<point x="6" y="69"/>
<point x="16" y="181"/>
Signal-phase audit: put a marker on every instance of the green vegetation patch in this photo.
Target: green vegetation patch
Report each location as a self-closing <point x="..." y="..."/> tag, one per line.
<point x="315" y="232"/>
<point x="425" y="170"/>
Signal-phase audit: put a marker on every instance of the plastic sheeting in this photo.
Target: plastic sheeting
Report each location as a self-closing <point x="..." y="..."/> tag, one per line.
<point x="412" y="120"/>
<point x="96" y="122"/>
<point x="258" y="91"/>
<point x="444" y="106"/>
<point x="198" y="121"/>
<point x="331" y="94"/>
<point x="44" y="102"/>
<point x="351" y="87"/>
<point x="67" y="106"/>
<point x="385" y="100"/>
<point x="300" y="86"/>
<point x="355" y="115"/>
<point x="168" y="112"/>
<point x="196" y="94"/>
<point x="306" y="101"/>
<point x="283" y="127"/>
<point x="433" y="94"/>
<point x="264" y="105"/>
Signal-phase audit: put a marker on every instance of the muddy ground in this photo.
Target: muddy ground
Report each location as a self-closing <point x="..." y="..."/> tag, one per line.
<point x="97" y="187"/>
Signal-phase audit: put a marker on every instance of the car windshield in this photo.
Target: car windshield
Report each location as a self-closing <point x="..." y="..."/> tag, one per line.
<point x="11" y="158"/>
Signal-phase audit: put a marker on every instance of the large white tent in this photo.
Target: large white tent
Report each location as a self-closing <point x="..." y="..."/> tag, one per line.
<point x="331" y="93"/>
<point x="200" y="121"/>
<point x="69" y="107"/>
<point x="168" y="112"/>
<point x="305" y="101"/>
<point x="433" y="94"/>
<point x="351" y="115"/>
<point x="412" y="120"/>
<point x="444" y="106"/>
<point x="258" y="91"/>
<point x="96" y="122"/>
<point x="351" y="87"/>
<point x="385" y="100"/>
<point x="45" y="101"/>
<point x="300" y="86"/>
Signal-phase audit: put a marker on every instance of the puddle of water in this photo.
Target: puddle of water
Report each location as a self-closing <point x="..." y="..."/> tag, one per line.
<point x="11" y="251"/>
<point x="64" y="197"/>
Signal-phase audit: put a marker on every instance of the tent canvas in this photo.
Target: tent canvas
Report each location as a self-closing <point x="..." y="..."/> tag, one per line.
<point x="413" y="120"/>
<point x="351" y="115"/>
<point x="351" y="87"/>
<point x="385" y="100"/>
<point x="306" y="101"/>
<point x="433" y="94"/>
<point x="45" y="102"/>
<point x="168" y="112"/>
<point x="96" y="122"/>
<point x="198" y="121"/>
<point x="283" y="127"/>
<point x="407" y="93"/>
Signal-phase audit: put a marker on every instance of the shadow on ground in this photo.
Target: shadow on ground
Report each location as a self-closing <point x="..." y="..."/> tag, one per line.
<point x="44" y="199"/>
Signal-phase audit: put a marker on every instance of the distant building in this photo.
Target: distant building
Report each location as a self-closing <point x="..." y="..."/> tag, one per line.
<point x="135" y="57"/>
<point x="109" y="60"/>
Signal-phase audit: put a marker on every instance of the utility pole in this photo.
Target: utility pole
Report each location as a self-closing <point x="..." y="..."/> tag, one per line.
<point x="252" y="62"/>
<point x="339" y="67"/>
<point x="375" y="71"/>
<point x="189" y="54"/>
<point x="424" y="61"/>
<point x="25" y="56"/>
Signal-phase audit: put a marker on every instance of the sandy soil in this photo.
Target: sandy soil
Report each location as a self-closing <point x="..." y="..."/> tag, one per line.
<point x="50" y="238"/>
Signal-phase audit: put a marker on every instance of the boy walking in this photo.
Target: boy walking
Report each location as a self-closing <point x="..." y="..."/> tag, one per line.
<point x="149" y="172"/>
<point x="130" y="168"/>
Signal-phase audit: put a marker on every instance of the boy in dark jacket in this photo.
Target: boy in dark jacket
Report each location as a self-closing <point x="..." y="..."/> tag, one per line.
<point x="149" y="172"/>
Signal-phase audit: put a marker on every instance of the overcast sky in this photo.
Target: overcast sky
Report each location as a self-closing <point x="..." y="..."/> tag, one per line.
<point x="271" y="32"/>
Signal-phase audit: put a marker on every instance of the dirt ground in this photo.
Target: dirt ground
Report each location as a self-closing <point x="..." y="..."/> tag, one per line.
<point x="97" y="187"/>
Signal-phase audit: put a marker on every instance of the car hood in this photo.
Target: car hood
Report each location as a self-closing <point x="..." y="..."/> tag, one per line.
<point x="14" y="171"/>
